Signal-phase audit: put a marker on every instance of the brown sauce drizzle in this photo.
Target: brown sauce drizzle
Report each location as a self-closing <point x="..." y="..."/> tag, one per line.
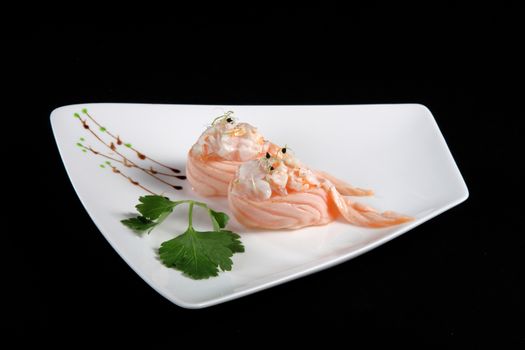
<point x="136" y="183"/>
<point x="127" y="162"/>
<point x="129" y="165"/>
<point x="120" y="142"/>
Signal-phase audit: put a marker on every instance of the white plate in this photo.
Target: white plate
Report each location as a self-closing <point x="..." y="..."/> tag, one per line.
<point x="397" y="150"/>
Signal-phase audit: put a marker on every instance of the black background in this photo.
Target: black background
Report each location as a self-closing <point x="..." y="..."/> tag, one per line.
<point x="458" y="277"/>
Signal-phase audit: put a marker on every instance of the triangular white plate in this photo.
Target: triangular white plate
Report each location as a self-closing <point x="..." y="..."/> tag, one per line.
<point x="397" y="150"/>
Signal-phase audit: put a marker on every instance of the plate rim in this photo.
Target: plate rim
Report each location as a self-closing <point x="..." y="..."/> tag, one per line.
<point x="295" y="275"/>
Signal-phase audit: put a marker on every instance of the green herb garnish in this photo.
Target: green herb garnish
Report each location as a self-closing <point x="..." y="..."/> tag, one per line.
<point x="199" y="255"/>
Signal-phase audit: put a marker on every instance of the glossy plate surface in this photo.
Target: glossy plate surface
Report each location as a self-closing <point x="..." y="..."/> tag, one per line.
<point x="397" y="150"/>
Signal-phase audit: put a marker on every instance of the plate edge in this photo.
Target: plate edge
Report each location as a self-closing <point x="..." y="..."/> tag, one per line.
<point x="328" y="264"/>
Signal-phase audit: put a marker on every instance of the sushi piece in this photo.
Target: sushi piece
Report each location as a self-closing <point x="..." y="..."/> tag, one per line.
<point x="279" y="192"/>
<point x="226" y="144"/>
<point x="214" y="159"/>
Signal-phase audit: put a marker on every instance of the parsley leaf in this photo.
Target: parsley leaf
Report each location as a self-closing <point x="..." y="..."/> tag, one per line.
<point x="142" y="224"/>
<point x="152" y="207"/>
<point x="139" y="224"/>
<point x="154" y="210"/>
<point x="199" y="255"/>
<point x="219" y="220"/>
<point x="236" y="244"/>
